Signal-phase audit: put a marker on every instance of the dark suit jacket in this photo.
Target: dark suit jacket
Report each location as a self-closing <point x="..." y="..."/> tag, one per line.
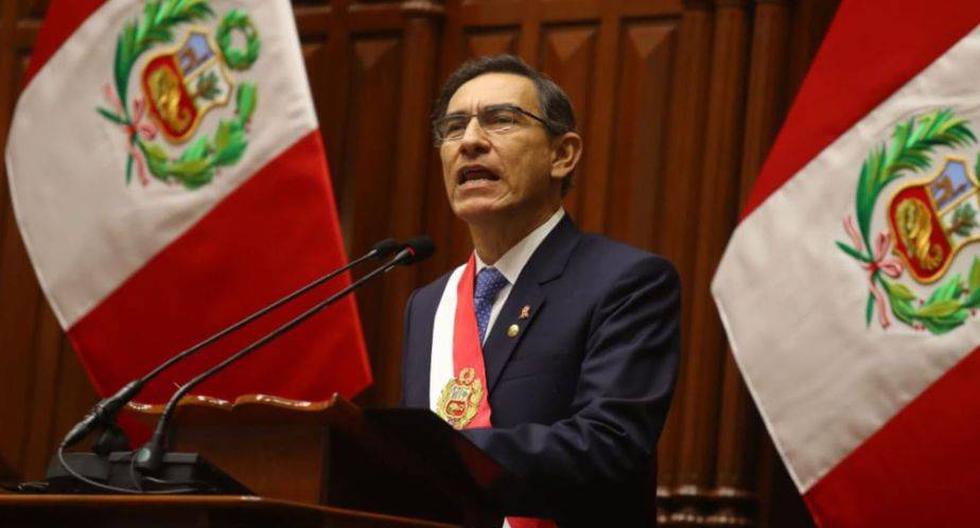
<point x="580" y="395"/>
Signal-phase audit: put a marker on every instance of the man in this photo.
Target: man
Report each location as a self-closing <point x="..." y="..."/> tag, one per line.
<point x="554" y="351"/>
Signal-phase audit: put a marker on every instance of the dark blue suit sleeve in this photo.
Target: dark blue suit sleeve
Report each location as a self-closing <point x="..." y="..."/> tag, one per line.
<point x="406" y="342"/>
<point x="621" y="400"/>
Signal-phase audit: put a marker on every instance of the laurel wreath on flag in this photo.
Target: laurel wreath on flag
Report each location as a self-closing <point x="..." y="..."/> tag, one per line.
<point x="196" y="165"/>
<point x="237" y="59"/>
<point x="948" y="304"/>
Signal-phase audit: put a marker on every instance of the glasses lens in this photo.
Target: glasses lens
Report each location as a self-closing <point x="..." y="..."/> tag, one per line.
<point x="452" y="127"/>
<point x="498" y="119"/>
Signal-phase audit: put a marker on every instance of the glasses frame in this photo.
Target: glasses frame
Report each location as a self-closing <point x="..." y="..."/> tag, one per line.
<point x="440" y="139"/>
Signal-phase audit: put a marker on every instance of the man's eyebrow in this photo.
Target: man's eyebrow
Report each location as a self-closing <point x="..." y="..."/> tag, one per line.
<point x="498" y="106"/>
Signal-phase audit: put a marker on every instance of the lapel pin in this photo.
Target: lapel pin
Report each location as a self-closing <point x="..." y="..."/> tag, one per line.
<point x="512" y="330"/>
<point x="525" y="312"/>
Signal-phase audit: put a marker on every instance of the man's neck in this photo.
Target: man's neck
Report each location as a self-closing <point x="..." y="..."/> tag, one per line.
<point x="492" y="239"/>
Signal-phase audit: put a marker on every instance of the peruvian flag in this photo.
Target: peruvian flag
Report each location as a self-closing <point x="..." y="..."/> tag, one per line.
<point x="850" y="288"/>
<point x="168" y="177"/>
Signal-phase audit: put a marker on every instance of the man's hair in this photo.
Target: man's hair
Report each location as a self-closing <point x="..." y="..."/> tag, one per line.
<point x="555" y="106"/>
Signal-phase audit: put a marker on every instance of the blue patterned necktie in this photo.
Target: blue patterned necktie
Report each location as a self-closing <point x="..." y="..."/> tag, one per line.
<point x="489" y="282"/>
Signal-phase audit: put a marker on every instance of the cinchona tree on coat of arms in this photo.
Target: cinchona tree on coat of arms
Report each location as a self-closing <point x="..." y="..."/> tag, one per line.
<point x="930" y="222"/>
<point x="187" y="74"/>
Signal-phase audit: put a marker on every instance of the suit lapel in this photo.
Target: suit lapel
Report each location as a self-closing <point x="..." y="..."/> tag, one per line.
<point x="546" y="264"/>
<point x="499" y="345"/>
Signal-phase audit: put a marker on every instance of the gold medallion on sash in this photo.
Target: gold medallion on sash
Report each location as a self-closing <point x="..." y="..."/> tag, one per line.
<point x="460" y="399"/>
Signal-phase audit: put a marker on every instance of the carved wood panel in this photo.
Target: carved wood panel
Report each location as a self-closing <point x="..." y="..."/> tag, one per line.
<point x="678" y="101"/>
<point x="640" y="125"/>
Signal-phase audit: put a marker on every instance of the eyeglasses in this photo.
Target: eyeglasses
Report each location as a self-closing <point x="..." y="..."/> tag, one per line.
<point x="495" y="119"/>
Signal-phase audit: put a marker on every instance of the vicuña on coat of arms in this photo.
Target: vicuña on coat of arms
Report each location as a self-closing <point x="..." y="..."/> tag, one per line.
<point x="187" y="74"/>
<point x="931" y="223"/>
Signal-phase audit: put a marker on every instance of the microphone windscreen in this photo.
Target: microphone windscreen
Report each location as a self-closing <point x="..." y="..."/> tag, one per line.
<point x="386" y="247"/>
<point x="421" y="248"/>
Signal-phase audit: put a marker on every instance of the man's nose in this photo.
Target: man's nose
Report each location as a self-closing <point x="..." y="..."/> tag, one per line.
<point x="474" y="140"/>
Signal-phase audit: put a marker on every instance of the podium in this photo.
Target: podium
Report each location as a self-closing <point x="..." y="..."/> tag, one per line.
<point x="7" y="472"/>
<point x="404" y="463"/>
<point x="110" y="511"/>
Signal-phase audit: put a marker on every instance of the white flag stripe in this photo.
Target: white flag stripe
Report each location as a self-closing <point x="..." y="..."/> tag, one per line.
<point x="116" y="228"/>
<point x="824" y="381"/>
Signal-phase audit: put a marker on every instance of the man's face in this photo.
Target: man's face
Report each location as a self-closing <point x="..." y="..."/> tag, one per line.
<point x="489" y="174"/>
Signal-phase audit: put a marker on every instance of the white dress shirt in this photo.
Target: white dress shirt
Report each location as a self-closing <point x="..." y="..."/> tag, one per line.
<point x="511" y="263"/>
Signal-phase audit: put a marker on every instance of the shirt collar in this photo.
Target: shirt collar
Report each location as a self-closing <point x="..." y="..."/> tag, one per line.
<point x="513" y="261"/>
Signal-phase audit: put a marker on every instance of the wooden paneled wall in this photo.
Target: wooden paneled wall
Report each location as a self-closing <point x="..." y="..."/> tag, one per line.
<point x="678" y="101"/>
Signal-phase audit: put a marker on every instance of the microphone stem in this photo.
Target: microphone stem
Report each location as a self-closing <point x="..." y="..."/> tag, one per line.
<point x="313" y="284"/>
<point x="105" y="410"/>
<point x="159" y="434"/>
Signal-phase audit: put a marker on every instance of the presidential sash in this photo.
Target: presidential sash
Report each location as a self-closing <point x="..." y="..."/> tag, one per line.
<point x="463" y="400"/>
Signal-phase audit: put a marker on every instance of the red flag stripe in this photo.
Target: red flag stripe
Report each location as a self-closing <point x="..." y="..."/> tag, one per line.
<point x="61" y="20"/>
<point x="871" y="50"/>
<point x="920" y="469"/>
<point x="246" y="252"/>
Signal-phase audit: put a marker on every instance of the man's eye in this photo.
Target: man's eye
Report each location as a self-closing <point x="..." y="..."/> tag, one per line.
<point x="454" y="126"/>
<point x="501" y="117"/>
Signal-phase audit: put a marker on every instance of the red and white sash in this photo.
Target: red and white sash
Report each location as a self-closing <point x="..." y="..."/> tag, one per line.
<point x="461" y="399"/>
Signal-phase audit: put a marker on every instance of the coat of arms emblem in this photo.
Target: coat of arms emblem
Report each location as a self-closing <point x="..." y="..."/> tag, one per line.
<point x="183" y="84"/>
<point x="933" y="219"/>
<point x="188" y="71"/>
<point x="460" y="399"/>
<point x="931" y="224"/>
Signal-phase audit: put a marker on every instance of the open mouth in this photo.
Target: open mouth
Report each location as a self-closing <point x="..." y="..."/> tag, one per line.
<point x="475" y="173"/>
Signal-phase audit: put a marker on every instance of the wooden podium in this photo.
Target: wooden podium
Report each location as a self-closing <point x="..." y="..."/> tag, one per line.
<point x="200" y="511"/>
<point x="7" y="473"/>
<point x="325" y="464"/>
<point x="398" y="462"/>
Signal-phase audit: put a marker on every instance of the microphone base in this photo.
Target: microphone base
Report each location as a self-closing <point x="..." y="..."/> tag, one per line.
<point x="112" y="439"/>
<point x="188" y="472"/>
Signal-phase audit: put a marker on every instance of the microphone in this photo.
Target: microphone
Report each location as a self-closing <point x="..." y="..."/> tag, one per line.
<point x="104" y="412"/>
<point x="381" y="250"/>
<point x="149" y="458"/>
<point x="419" y="248"/>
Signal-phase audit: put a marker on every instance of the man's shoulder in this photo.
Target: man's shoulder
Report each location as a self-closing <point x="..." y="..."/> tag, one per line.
<point x="429" y="295"/>
<point x="611" y="258"/>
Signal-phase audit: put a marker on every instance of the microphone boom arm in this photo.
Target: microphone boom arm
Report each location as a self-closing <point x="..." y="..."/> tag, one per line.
<point x="150" y="456"/>
<point x="105" y="411"/>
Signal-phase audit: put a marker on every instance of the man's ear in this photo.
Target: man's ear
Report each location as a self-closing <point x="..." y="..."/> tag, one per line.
<point x="565" y="153"/>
